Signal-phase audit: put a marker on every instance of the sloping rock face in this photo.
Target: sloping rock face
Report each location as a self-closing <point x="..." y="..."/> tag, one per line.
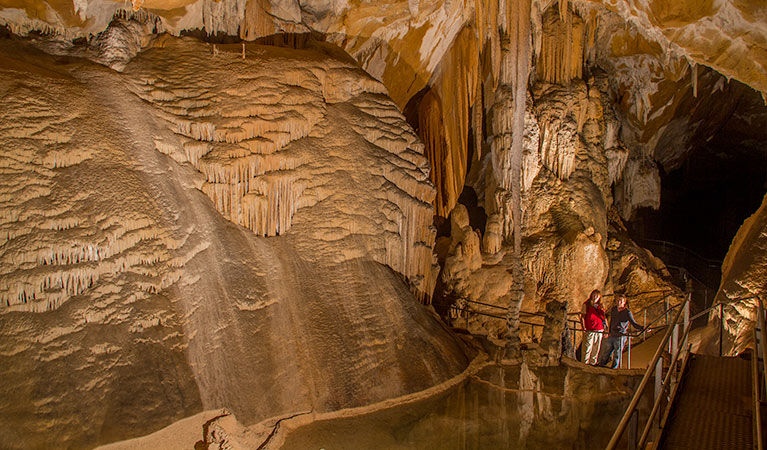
<point x="744" y="272"/>
<point x="209" y="229"/>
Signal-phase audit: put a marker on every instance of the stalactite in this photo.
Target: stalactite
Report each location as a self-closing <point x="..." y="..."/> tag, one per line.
<point x="617" y="157"/>
<point x="446" y="133"/>
<point x="431" y="131"/>
<point x="591" y="28"/>
<point x="639" y="187"/>
<point x="562" y="47"/>
<point x="63" y="267"/>
<point x="496" y="57"/>
<point x="476" y="122"/>
<point x="694" y="76"/>
<point x="562" y="112"/>
<point x="519" y="48"/>
<point x="258" y="20"/>
<point x="287" y="40"/>
<point x="224" y="16"/>
<point x="458" y="88"/>
<point x="564" y="11"/>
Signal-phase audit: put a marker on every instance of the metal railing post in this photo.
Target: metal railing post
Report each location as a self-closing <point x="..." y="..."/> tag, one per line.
<point x="705" y="296"/>
<point x="687" y="318"/>
<point x="658" y="391"/>
<point x="756" y="407"/>
<point x="633" y="430"/>
<point x="644" y="332"/>
<point x="761" y="322"/>
<point x="575" y="345"/>
<point x="675" y="342"/>
<point x="629" y="355"/>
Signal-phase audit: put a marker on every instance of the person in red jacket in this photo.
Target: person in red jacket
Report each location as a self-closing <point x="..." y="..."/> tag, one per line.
<point x="594" y="323"/>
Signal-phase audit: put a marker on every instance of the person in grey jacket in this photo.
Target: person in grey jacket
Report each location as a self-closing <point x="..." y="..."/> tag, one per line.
<point x="620" y="318"/>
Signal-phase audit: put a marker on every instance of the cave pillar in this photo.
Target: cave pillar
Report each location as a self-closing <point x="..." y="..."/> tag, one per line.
<point x="507" y="117"/>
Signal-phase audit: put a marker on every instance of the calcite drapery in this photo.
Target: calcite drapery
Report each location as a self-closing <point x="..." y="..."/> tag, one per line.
<point x="156" y="307"/>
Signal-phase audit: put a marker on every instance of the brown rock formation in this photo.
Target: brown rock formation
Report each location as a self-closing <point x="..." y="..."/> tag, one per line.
<point x="129" y="299"/>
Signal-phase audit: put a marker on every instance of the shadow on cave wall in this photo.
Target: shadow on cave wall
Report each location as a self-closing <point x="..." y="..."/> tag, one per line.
<point x="721" y="181"/>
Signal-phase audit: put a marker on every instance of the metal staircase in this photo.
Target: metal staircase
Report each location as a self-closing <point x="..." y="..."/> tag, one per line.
<point x="714" y="407"/>
<point x="708" y="402"/>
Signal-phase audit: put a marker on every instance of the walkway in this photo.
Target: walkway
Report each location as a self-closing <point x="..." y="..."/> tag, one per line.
<point x="713" y="408"/>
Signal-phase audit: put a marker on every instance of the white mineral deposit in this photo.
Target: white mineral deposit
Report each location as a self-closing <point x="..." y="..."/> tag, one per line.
<point x="284" y="224"/>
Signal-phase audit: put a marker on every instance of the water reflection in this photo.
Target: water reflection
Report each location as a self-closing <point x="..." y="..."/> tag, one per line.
<point x="499" y="407"/>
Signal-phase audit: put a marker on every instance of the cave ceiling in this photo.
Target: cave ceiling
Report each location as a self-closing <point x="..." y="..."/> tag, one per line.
<point x="654" y="51"/>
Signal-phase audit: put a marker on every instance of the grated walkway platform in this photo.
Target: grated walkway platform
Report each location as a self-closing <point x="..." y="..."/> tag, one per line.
<point x="713" y="407"/>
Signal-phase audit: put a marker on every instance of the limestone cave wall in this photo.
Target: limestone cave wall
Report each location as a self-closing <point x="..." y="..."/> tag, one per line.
<point x="136" y="287"/>
<point x="232" y="204"/>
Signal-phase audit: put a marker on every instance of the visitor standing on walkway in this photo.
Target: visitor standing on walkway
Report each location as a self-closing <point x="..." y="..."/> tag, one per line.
<point x="594" y="323"/>
<point x="620" y="318"/>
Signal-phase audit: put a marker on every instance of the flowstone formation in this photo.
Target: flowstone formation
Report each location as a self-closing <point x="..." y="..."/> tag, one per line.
<point x="136" y="286"/>
<point x="743" y="274"/>
<point x="204" y="222"/>
<point x="574" y="240"/>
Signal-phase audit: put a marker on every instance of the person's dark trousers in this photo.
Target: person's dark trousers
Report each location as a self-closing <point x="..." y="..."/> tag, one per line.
<point x="615" y="345"/>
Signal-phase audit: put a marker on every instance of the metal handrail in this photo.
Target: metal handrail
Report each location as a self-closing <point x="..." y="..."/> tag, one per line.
<point x="671" y="266"/>
<point x="663" y="294"/>
<point x="656" y="365"/>
<point x="489" y="305"/>
<point x="763" y="326"/>
<point x="645" y="379"/>
<point x="634" y="334"/>
<point x="661" y="298"/>
<point x="757" y="419"/>
<point x="456" y="308"/>
<point x="483" y="304"/>
<point x="672" y="394"/>
<point x="540" y="314"/>
<point x="711" y="262"/>
<point x="575" y="326"/>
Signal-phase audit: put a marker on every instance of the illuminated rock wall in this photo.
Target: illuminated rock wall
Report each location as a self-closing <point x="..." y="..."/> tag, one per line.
<point x="129" y="301"/>
<point x="743" y="274"/>
<point x="454" y="50"/>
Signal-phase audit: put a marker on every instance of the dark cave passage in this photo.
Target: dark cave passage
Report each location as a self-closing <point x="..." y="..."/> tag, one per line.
<point x="706" y="196"/>
<point x="704" y="202"/>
